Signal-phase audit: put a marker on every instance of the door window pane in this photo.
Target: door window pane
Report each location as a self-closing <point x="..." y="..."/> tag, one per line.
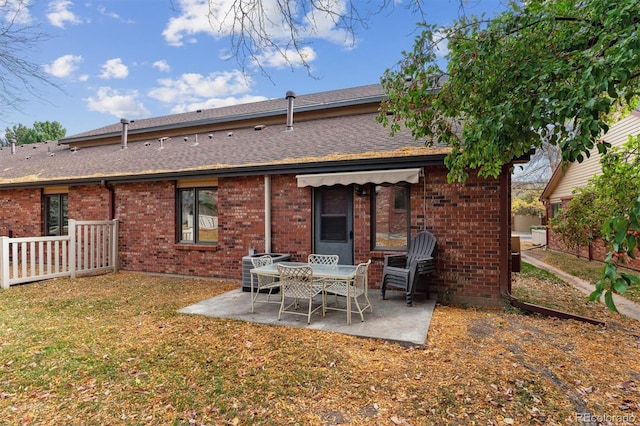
<point x="333" y="216"/>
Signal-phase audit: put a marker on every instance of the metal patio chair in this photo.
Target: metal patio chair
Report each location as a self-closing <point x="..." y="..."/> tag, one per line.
<point x="403" y="271"/>
<point x="265" y="283"/>
<point x="323" y="259"/>
<point x="351" y="290"/>
<point x="296" y="282"/>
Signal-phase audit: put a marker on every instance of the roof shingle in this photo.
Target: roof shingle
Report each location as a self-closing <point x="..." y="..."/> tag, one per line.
<point x="344" y="138"/>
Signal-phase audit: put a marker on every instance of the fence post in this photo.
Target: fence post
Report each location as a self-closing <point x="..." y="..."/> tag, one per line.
<point x="114" y="245"/>
<point x="4" y="262"/>
<point x="72" y="248"/>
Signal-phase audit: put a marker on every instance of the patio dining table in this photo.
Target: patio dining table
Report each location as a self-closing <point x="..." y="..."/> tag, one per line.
<point x="324" y="272"/>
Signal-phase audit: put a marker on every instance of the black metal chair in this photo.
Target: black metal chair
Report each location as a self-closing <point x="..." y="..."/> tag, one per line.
<point x="403" y="271"/>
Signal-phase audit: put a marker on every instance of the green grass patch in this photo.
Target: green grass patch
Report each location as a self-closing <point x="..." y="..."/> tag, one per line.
<point x="590" y="271"/>
<point x="529" y="271"/>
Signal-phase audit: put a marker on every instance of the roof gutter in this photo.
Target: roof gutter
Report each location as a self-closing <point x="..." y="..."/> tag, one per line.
<point x="505" y="262"/>
<point x="270" y="169"/>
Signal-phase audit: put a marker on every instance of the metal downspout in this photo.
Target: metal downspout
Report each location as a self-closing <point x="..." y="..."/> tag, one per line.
<point x="505" y="258"/>
<point x="267" y="214"/>
<point x="505" y="232"/>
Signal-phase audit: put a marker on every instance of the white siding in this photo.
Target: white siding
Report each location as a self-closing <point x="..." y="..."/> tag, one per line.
<point x="577" y="174"/>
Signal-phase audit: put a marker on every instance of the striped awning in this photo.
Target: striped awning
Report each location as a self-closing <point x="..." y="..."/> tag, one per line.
<point x="360" y="178"/>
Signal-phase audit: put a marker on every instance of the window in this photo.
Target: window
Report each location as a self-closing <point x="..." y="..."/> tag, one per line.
<point x="391" y="214"/>
<point x="56" y="217"/>
<point x="555" y="209"/>
<point x="198" y="215"/>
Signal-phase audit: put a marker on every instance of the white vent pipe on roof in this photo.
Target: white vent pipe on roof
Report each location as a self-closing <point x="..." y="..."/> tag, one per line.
<point x="125" y="132"/>
<point x="13" y="146"/>
<point x="290" y="96"/>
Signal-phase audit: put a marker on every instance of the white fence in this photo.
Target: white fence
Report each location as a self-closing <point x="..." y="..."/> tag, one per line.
<point x="90" y="247"/>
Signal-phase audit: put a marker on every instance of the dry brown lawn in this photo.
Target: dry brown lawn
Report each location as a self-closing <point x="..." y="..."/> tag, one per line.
<point x="112" y="350"/>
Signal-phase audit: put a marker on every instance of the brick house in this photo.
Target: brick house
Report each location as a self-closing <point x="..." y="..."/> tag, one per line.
<point x="194" y="192"/>
<point x="566" y="179"/>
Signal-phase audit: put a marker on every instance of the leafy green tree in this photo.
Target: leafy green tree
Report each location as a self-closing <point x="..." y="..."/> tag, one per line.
<point x="40" y="132"/>
<point x="623" y="233"/>
<point x="580" y="222"/>
<point x="554" y="70"/>
<point x="18" y="133"/>
<point x="527" y="202"/>
<point x="48" y="130"/>
<point x="589" y="214"/>
<point x="606" y="195"/>
<point x="619" y="184"/>
<point x="619" y="191"/>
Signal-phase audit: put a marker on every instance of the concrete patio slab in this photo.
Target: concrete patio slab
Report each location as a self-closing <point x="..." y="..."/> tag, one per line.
<point x="391" y="320"/>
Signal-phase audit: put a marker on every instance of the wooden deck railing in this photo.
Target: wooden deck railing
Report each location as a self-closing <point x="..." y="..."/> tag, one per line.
<point x="89" y="247"/>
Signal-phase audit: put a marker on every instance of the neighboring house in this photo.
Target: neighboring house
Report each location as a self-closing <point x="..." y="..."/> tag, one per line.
<point x="194" y="192"/>
<point x="565" y="180"/>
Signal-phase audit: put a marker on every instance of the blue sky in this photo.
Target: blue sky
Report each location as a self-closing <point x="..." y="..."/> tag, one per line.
<point x="134" y="59"/>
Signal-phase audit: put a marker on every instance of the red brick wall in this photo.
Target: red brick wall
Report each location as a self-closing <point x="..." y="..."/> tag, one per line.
<point x="147" y="226"/>
<point x="146" y="212"/>
<point x="465" y="218"/>
<point x="291" y="217"/>
<point x="21" y="211"/>
<point x="89" y="202"/>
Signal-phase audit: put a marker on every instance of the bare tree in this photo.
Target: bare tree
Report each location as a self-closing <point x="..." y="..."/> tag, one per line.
<point x="286" y="27"/>
<point x="18" y="38"/>
<point x="543" y="162"/>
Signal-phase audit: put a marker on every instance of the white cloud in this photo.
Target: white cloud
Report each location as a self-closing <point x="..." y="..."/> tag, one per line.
<point x="289" y="58"/>
<point x="162" y="65"/>
<point x="113" y="15"/>
<point x="193" y="19"/>
<point x="64" y="66"/>
<point x="192" y="91"/>
<point x="103" y="11"/>
<point x="219" y="19"/>
<point x="116" y="103"/>
<point x="59" y="13"/>
<point x="320" y="24"/>
<point x="114" y="68"/>
<point x="16" y="11"/>
<point x="216" y="103"/>
<point x="192" y="87"/>
<point x="442" y="44"/>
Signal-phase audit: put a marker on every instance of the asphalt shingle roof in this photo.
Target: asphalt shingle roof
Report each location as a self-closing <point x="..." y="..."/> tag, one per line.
<point x="268" y="107"/>
<point x="313" y="142"/>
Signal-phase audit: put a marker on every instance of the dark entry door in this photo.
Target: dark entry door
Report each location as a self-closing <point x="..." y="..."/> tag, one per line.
<point x="333" y="222"/>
